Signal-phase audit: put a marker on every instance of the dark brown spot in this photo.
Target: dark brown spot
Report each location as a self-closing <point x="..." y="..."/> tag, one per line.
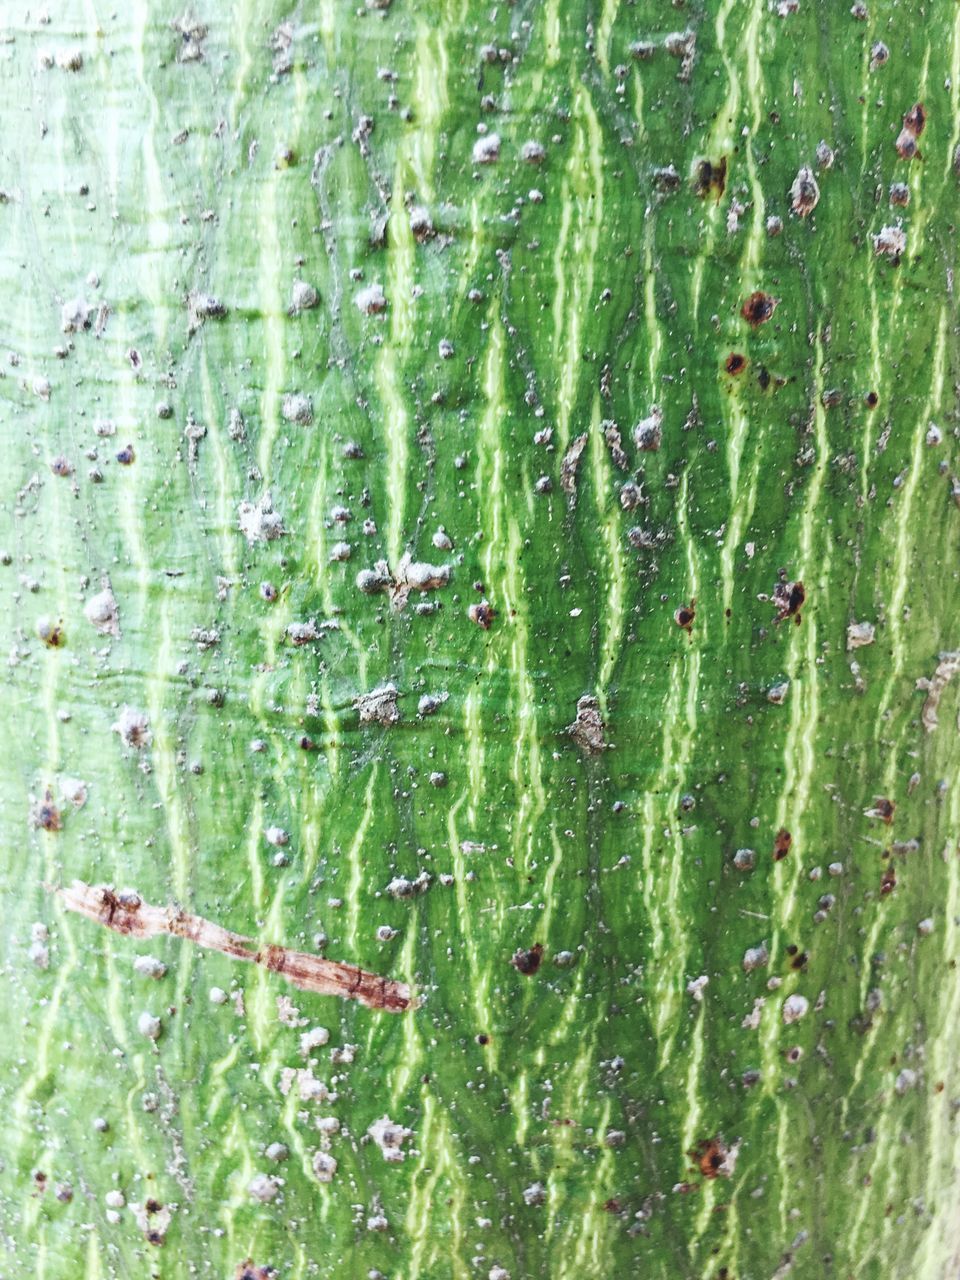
<point x="888" y="881"/>
<point x="153" y="1206"/>
<point x="788" y="597"/>
<point x="871" y="399"/>
<point x="711" y="177"/>
<point x="483" y="1039"/>
<point x="758" y="308"/>
<point x="611" y="1206"/>
<point x="51" y="633"/>
<point x="781" y="844"/>
<point x="248" y="1271"/>
<point x="527" y="962"/>
<point x="126" y="457"/>
<point x="763" y="378"/>
<point x="799" y="960"/>
<point x="915" y="119"/>
<point x="882" y="809"/>
<point x="685" y="615"/>
<point x="736" y="363"/>
<point x="47" y="816"/>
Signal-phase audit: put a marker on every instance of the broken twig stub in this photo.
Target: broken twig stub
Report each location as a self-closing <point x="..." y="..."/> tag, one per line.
<point x="127" y="913"/>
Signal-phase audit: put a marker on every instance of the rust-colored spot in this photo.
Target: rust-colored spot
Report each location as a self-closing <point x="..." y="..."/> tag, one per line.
<point x="685" y="615"/>
<point x="611" y="1206"/>
<point x="735" y="363"/>
<point x="482" y="614"/>
<point x="781" y="844"/>
<point x="759" y="307"/>
<point x="888" y="881"/>
<point x="713" y="1158"/>
<point x="527" y="962"/>
<point x="711" y="177"/>
<point x="249" y="1271"/>
<point x="788" y="597"/>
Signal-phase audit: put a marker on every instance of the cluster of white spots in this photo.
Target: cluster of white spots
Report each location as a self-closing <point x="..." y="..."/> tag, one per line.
<point x="258" y="522"/>
<point x="315" y="1038"/>
<point x="133" y="728"/>
<point x="401" y="887"/>
<point x="390" y="1138"/>
<point x="696" y="987"/>
<point x="263" y="1187"/>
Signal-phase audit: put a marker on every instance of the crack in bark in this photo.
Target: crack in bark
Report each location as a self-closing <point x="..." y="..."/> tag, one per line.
<point x="128" y="914"/>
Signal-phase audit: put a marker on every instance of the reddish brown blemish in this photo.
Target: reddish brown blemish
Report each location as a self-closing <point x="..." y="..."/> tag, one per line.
<point x="781" y="844"/>
<point x="759" y="307"/>
<point x="712" y="1158"/>
<point x="248" y="1271"/>
<point x="528" y="962"/>
<point x="735" y="363"/>
<point x="482" y="614"/>
<point x="888" y="881"/>
<point x="883" y="809"/>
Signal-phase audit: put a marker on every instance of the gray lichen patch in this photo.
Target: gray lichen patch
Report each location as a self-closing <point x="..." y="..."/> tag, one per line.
<point x="133" y="728"/>
<point x="860" y="634"/>
<point x="201" y="307"/>
<point x="570" y="464"/>
<point x="587" y="730"/>
<point x="379" y="706"/>
<point x="297" y="408"/>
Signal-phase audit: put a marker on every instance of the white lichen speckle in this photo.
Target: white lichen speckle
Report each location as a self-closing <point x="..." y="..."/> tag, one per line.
<point x="102" y="613"/>
<point x="324" y="1167"/>
<point x="276" y="836"/>
<point x="315" y="1038"/>
<point x="149" y="967"/>
<point x="695" y="987"/>
<point x="486" y="150"/>
<point x="263" y="1188"/>
<point x="794" y="1008"/>
<point x="890" y="241"/>
<point x="371" y="300"/>
<point x="297" y="408"/>
<point x="149" y="1025"/>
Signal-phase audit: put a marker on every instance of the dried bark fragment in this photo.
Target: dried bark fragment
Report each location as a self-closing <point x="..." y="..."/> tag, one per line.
<point x="587" y="730"/>
<point x="611" y="433"/>
<point x="379" y="706"/>
<point x="569" y="465"/>
<point x="128" y="914"/>
<point x="946" y="669"/>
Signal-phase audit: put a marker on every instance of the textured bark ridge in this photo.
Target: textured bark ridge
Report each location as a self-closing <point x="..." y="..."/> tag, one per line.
<point x="128" y="914"/>
<point x="480" y="502"/>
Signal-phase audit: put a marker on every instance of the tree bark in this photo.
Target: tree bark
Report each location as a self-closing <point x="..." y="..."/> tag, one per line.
<point x="480" y="510"/>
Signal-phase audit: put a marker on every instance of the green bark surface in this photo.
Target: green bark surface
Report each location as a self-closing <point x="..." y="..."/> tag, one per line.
<point x="576" y="289"/>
